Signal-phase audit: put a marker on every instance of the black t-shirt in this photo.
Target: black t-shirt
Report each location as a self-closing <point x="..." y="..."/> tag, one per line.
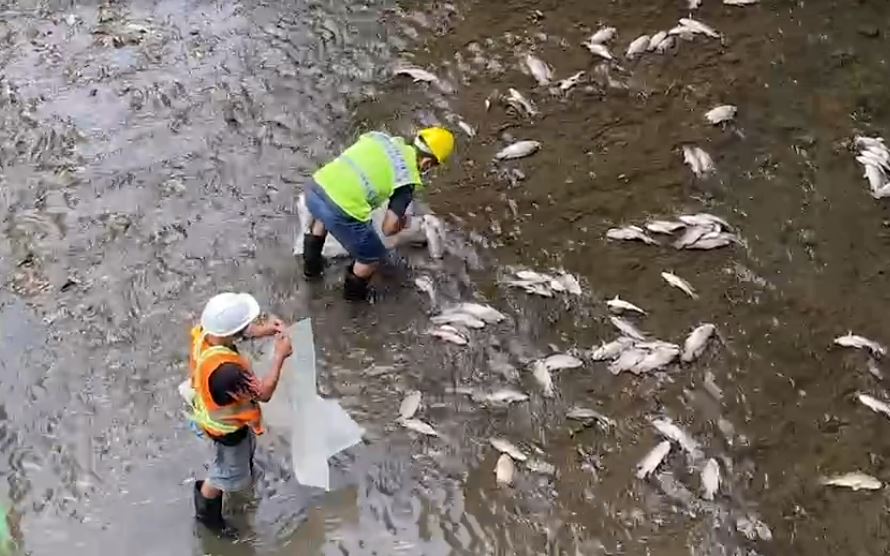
<point x="400" y="199"/>
<point x="228" y="382"/>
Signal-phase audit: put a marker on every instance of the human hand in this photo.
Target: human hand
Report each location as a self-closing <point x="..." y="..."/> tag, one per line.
<point x="274" y="326"/>
<point x="283" y="347"/>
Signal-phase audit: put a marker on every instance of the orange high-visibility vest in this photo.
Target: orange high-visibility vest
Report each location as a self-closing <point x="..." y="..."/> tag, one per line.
<point x="218" y="420"/>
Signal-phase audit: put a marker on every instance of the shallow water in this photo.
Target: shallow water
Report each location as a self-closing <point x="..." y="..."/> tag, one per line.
<point x="146" y="167"/>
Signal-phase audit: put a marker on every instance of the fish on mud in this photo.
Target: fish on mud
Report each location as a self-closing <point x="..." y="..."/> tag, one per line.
<point x="459" y="319"/>
<point x="539" y="466"/>
<point x="740" y="2"/>
<point x="630" y="233"/>
<point x="698" y="161"/>
<point x="679" y="283"/>
<point x="598" y="49"/>
<point x="419" y="426"/>
<point x="627" y="328"/>
<point x="410" y="404"/>
<point x="655" y="40"/>
<point x="424" y="284"/>
<point x="531" y="287"/>
<point x="860" y="342"/>
<point x="657" y="357"/>
<point x="543" y="377"/>
<point x="856" y="480"/>
<point x="532" y="276"/>
<point x="667" y="428"/>
<point x="611" y="350"/>
<point x="504" y="446"/>
<point x="416" y="73"/>
<point x="570" y="283"/>
<point x="637" y="47"/>
<point x="627" y="360"/>
<point x="720" y="114"/>
<point x="698" y="27"/>
<point x="653" y="459"/>
<point x="710" y="385"/>
<point x="603" y="35"/>
<point x="696" y="342"/>
<point x="874" y="404"/>
<point x="586" y="414"/>
<point x="692" y="235"/>
<point x="693" y="4"/>
<point x="486" y="313"/>
<point x="542" y="73"/>
<point x="467" y="128"/>
<point x="665" y="45"/>
<point x="518" y="102"/>
<point x="434" y="230"/>
<point x="519" y="149"/>
<point x="713" y="240"/>
<point x="666" y="227"/>
<point x="618" y="305"/>
<point x="569" y="82"/>
<point x="710" y="479"/>
<point x="449" y="334"/>
<point x="559" y="361"/>
<point x="505" y="396"/>
<point x="705" y="220"/>
<point x="504" y="470"/>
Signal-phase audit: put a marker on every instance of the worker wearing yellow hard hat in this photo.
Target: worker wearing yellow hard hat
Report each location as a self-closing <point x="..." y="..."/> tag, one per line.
<point x="376" y="169"/>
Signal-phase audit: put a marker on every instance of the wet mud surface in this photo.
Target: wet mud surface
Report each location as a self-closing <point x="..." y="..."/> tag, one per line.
<point x="150" y="154"/>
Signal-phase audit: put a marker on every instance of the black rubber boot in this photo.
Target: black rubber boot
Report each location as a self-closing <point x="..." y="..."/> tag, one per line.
<point x="313" y="262"/>
<point x="208" y="511"/>
<point x="355" y="288"/>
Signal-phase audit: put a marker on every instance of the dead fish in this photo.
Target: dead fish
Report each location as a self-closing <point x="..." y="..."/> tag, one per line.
<point x="570" y="283"/>
<point x="637" y="47"/>
<point x="705" y="219"/>
<point x="600" y="50"/>
<point x="460" y="319"/>
<point x="753" y="528"/>
<point x="720" y="114"/>
<point x="692" y="235"/>
<point x="658" y="357"/>
<point x="856" y="480"/>
<point x="671" y="431"/>
<point x="866" y="142"/>
<point x="542" y="73"/>
<point x="627" y="328"/>
<point x="710" y="385"/>
<point x="740" y="2"/>
<point x="532" y="276"/>
<point x="630" y="233"/>
<point x="416" y="73"/>
<point x="486" y="313"/>
<point x="653" y="459"/>
<point x="699" y="27"/>
<point x="713" y="240"/>
<point x="419" y="426"/>
<point x="434" y="231"/>
<point x="603" y="35"/>
<point x="504" y="470"/>
<point x="696" y="342"/>
<point x="518" y="150"/>
<point x="690" y="158"/>
<point x="467" y="128"/>
<point x="874" y="404"/>
<point x="449" y="334"/>
<point x="656" y="40"/>
<point x="425" y="285"/>
<point x="586" y="414"/>
<point x="694" y="4"/>
<point x="710" y="479"/>
<point x="874" y="369"/>
<point x="504" y="446"/>
<point x="705" y="162"/>
<point x="410" y="404"/>
<point x="860" y="342"/>
<point x="506" y="395"/>
<point x="679" y="283"/>
<point x="611" y="350"/>
<point x="628" y="360"/>
<point x="560" y="361"/>
<point x="533" y="288"/>
<point x="538" y="466"/>
<point x="618" y="305"/>
<point x="542" y="375"/>
<point x="665" y="45"/>
<point x="569" y="82"/>
<point x="556" y="286"/>
<point x="666" y="227"/>
<point x="519" y="103"/>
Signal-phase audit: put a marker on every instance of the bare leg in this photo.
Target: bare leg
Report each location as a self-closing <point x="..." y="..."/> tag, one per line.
<point x="363" y="270"/>
<point x="210" y="492"/>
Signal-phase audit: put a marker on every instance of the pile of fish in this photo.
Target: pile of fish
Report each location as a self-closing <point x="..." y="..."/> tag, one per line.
<point x="408" y="409"/>
<point x="875" y="160"/>
<point x="544" y="285"/>
<point x="452" y="324"/>
<point x="700" y="231"/>
<point x="659" y="42"/>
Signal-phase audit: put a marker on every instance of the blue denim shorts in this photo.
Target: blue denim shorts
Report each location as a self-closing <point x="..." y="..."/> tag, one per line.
<point x="359" y="238"/>
<point x="231" y="467"/>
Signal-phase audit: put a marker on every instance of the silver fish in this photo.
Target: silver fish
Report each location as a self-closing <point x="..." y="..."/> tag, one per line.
<point x="866" y="142"/>
<point x="665" y="45"/>
<point x="504" y="470"/>
<point x="696" y="342"/>
<point x="710" y="479"/>
<point x="542" y="375"/>
<point x="637" y="47"/>
<point x="531" y="287"/>
<point x="542" y="73"/>
<point x="518" y="150"/>
<point x="630" y="233"/>
<point x="874" y="404"/>
<point x="460" y="319"/>
<point x="683" y="32"/>
<point x="506" y="395"/>
<point x="656" y="40"/>
<point x="627" y="328"/>
<point x="415" y="73"/>
<point x="691" y="159"/>
<point x="467" y="128"/>
<point x="628" y="360"/>
<point x="556" y="286"/>
<point x="693" y="4"/>
<point x="692" y="235"/>
<point x="705" y="162"/>
<point x="504" y="446"/>
<point x="710" y="385"/>
<point x="618" y="305"/>
<point x="559" y="361"/>
<point x="679" y="283"/>
<point x="699" y="27"/>
<point x="521" y="104"/>
<point x="653" y="459"/>
<point x="538" y="466"/>
<point x="482" y="312"/>
<point x="600" y="50"/>
<point x="666" y="227"/>
<point x="434" y="231"/>
<point x="604" y="34"/>
<point x="425" y="285"/>
<point x="856" y="480"/>
<point x="410" y="404"/>
<point x="569" y="82"/>
<point x="705" y="219"/>
<point x="874" y="369"/>
<point x="869" y="158"/>
<point x="657" y="357"/>
<point x="532" y="276"/>
<point x="753" y="528"/>
<point x="671" y="431"/>
<point x="611" y="350"/>
<point x="720" y="114"/>
<point x="449" y="334"/>
<point x="570" y="283"/>
<point x="860" y="342"/>
<point x="586" y="414"/>
<point x="740" y="2"/>
<point x="713" y="240"/>
<point x="419" y="426"/>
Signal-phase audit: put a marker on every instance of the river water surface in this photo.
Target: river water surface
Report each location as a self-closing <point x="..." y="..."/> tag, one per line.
<point x="150" y="155"/>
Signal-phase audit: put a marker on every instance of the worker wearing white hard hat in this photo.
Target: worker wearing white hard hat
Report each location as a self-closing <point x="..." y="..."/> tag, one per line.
<point x="225" y="404"/>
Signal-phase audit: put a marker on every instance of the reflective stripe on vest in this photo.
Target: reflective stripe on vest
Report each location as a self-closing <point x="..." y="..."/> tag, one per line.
<point x="370" y="192"/>
<point x="396" y="158"/>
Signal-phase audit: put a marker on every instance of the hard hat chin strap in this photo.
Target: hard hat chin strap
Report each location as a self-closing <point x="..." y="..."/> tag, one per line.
<point x="421" y="145"/>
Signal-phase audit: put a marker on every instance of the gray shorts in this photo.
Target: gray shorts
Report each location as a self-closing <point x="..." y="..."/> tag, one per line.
<point x="231" y="467"/>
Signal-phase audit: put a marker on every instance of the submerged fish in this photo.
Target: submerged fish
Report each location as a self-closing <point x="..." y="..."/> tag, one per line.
<point x="504" y="446"/>
<point x="656" y="40"/>
<point x="874" y="404"/>
<point x="585" y="414"/>
<point x="449" y="334"/>
<point x="419" y="426"/>
<point x="671" y="431"/>
<point x="720" y="114"/>
<point x="518" y="150"/>
<point x="612" y="349"/>
<point x="637" y="47"/>
<point x="415" y="73"/>
<point x="699" y="27"/>
<point x="542" y="375"/>
<point x="653" y="459"/>
<point x="618" y="305"/>
<point x="696" y="342"/>
<point x="604" y="34"/>
<point x="630" y="233"/>
<point x="460" y="319"/>
<point x="521" y="104"/>
<point x="710" y="479"/>
<point x="627" y="328"/>
<point x="542" y="73"/>
<point x="860" y="342"/>
<point x="410" y="404"/>
<point x="504" y="470"/>
<point x="856" y="480"/>
<point x="569" y="82"/>
<point x="561" y="361"/>
<point x="679" y="283"/>
<point x="486" y="313"/>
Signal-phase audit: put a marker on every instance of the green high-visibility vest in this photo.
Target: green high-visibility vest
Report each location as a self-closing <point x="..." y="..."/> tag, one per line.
<point x="365" y="175"/>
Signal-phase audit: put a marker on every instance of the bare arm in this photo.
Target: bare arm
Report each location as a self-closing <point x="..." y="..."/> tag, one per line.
<point x="266" y="386"/>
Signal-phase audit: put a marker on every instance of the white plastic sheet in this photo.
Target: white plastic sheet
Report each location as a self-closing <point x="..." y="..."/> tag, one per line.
<point x="319" y="428"/>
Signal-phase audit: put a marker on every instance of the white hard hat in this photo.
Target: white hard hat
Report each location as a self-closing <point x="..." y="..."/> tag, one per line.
<point x="228" y="313"/>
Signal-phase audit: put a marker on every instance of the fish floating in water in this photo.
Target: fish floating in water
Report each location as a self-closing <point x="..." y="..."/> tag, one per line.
<point x="538" y="466"/>
<point x="504" y="446"/>
<point x="416" y="73"/>
<point x="569" y="82"/>
<point x="874" y="404"/>
<point x="856" y="480"/>
<point x="637" y="47"/>
<point x="459" y="319"/>
<point x="545" y="285"/>
<point x="653" y="459"/>
<point x="419" y="426"/>
<point x="618" y="305"/>
<point x="710" y="479"/>
<point x="875" y="160"/>
<point x="667" y="428"/>
<point x="449" y="334"/>
<point x="696" y="342"/>
<point x="410" y="404"/>
<point x="639" y="357"/>
<point x="860" y="342"/>
<point x="679" y="283"/>
<point x="542" y="73"/>
<point x="739" y="2"/>
<point x="693" y="4"/>
<point x="627" y="328"/>
<point x="720" y="114"/>
<point x="705" y="219"/>
<point x="518" y="102"/>
<point x="504" y="470"/>
<point x="700" y="162"/>
<point x="542" y="375"/>
<point x="502" y="396"/>
<point x="519" y="149"/>
<point x="611" y="350"/>
<point x="560" y="361"/>
<point x="630" y="233"/>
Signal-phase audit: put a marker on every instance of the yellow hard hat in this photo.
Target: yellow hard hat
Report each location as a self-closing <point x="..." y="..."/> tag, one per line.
<point x="436" y="141"/>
